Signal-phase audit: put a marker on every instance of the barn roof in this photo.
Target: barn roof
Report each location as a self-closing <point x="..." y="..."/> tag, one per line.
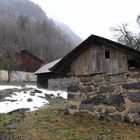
<point x="85" y="44"/>
<point x="32" y="55"/>
<point x="45" y="68"/>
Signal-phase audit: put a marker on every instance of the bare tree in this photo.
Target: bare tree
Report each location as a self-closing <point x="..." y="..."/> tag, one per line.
<point x="127" y="37"/>
<point x="9" y="60"/>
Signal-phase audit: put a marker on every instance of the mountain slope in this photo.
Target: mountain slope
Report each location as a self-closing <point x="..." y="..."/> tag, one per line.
<point x="24" y="25"/>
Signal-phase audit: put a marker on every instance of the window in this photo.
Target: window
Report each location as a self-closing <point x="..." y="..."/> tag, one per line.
<point x="107" y="54"/>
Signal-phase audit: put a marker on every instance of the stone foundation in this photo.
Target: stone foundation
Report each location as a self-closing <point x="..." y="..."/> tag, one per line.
<point x="114" y="97"/>
<point x="61" y="83"/>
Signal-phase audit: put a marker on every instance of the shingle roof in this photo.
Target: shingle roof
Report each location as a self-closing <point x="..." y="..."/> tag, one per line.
<point x="45" y="68"/>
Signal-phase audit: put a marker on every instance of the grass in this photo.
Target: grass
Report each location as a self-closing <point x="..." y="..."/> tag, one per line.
<point x="52" y="124"/>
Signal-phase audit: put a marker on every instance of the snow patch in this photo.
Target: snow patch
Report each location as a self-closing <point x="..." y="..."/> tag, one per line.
<point x="19" y="100"/>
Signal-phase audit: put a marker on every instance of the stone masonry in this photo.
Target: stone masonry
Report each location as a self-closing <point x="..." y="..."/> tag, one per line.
<point x="111" y="97"/>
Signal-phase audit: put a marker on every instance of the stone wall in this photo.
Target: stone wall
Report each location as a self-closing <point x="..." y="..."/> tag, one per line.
<point x="114" y="97"/>
<point x="61" y="83"/>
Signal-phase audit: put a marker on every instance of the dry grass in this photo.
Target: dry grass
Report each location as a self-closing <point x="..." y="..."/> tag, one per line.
<point x="52" y="124"/>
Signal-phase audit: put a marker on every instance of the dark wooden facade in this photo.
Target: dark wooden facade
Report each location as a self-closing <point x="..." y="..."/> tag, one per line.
<point x="28" y="61"/>
<point x="99" y="59"/>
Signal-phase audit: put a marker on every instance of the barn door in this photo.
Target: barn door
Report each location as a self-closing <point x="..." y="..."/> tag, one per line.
<point x="111" y="61"/>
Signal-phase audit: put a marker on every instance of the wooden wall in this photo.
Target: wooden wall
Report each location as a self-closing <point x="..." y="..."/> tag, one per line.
<point x="93" y="61"/>
<point x="28" y="63"/>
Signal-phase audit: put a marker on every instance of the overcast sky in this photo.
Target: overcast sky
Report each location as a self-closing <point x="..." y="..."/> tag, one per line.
<point x="86" y="17"/>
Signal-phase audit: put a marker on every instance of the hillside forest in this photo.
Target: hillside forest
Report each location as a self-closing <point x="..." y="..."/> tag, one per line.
<point x="24" y="25"/>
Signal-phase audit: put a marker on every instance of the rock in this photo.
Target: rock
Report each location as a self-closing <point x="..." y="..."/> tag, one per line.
<point x="116" y="117"/>
<point x="48" y="96"/>
<point x="86" y="89"/>
<point x="101" y="136"/>
<point x="98" y="78"/>
<point x="137" y="119"/>
<point x="126" y="119"/>
<point x="135" y="109"/>
<point x="21" y="110"/>
<point x="132" y="86"/>
<point x="71" y="96"/>
<point x="133" y="119"/>
<point x="29" y="99"/>
<point x="73" y="107"/>
<point x="37" y="91"/>
<point x="106" y="89"/>
<point x="120" y="108"/>
<point x="86" y="79"/>
<point x="134" y="97"/>
<point x="88" y="107"/>
<point x="97" y="100"/>
<point x="116" y="100"/>
<point x="135" y="75"/>
<point x="73" y="88"/>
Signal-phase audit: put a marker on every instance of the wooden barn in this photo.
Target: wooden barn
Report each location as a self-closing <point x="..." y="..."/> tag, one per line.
<point x="28" y="61"/>
<point x="95" y="55"/>
<point x="98" y="55"/>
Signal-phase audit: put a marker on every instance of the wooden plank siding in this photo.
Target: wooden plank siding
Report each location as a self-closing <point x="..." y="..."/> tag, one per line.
<point x="93" y="61"/>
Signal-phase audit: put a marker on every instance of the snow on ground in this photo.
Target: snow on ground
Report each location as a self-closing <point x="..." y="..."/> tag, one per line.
<point x="20" y="99"/>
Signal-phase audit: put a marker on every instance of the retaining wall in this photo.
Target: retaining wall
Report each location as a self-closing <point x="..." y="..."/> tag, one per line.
<point x="115" y="97"/>
<point x="110" y="97"/>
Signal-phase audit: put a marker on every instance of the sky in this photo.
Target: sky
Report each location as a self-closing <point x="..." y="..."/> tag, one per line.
<point x="86" y="17"/>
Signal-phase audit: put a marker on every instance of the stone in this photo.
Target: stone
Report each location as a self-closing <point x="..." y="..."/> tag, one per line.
<point x="116" y="100"/>
<point x="73" y="107"/>
<point x="117" y="78"/>
<point x="88" y="107"/>
<point x="135" y="75"/>
<point x="126" y="119"/>
<point x="116" y="117"/>
<point x="86" y="89"/>
<point x="73" y="88"/>
<point x="110" y="110"/>
<point x="71" y="96"/>
<point x="135" y="109"/>
<point x="96" y="100"/>
<point x="37" y="91"/>
<point x="21" y="110"/>
<point x="98" y="78"/>
<point x="120" y="108"/>
<point x="86" y="79"/>
<point x="137" y="119"/>
<point x="132" y="86"/>
<point x="134" y="97"/>
<point x="106" y="89"/>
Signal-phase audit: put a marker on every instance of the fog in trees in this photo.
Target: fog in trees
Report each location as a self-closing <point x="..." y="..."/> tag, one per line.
<point x="24" y="25"/>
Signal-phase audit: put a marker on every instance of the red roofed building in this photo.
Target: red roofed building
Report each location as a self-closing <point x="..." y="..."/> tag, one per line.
<point x="28" y="61"/>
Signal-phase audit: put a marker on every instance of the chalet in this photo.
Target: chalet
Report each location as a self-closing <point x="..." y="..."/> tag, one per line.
<point x="28" y="61"/>
<point x="95" y="55"/>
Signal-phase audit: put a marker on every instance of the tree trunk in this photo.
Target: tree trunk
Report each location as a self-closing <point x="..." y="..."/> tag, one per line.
<point x="9" y="76"/>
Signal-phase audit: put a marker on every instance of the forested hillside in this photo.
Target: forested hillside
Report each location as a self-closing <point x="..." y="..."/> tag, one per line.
<point x="23" y="25"/>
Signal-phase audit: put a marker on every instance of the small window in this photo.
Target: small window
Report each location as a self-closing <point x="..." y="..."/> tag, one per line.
<point x="107" y="54"/>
